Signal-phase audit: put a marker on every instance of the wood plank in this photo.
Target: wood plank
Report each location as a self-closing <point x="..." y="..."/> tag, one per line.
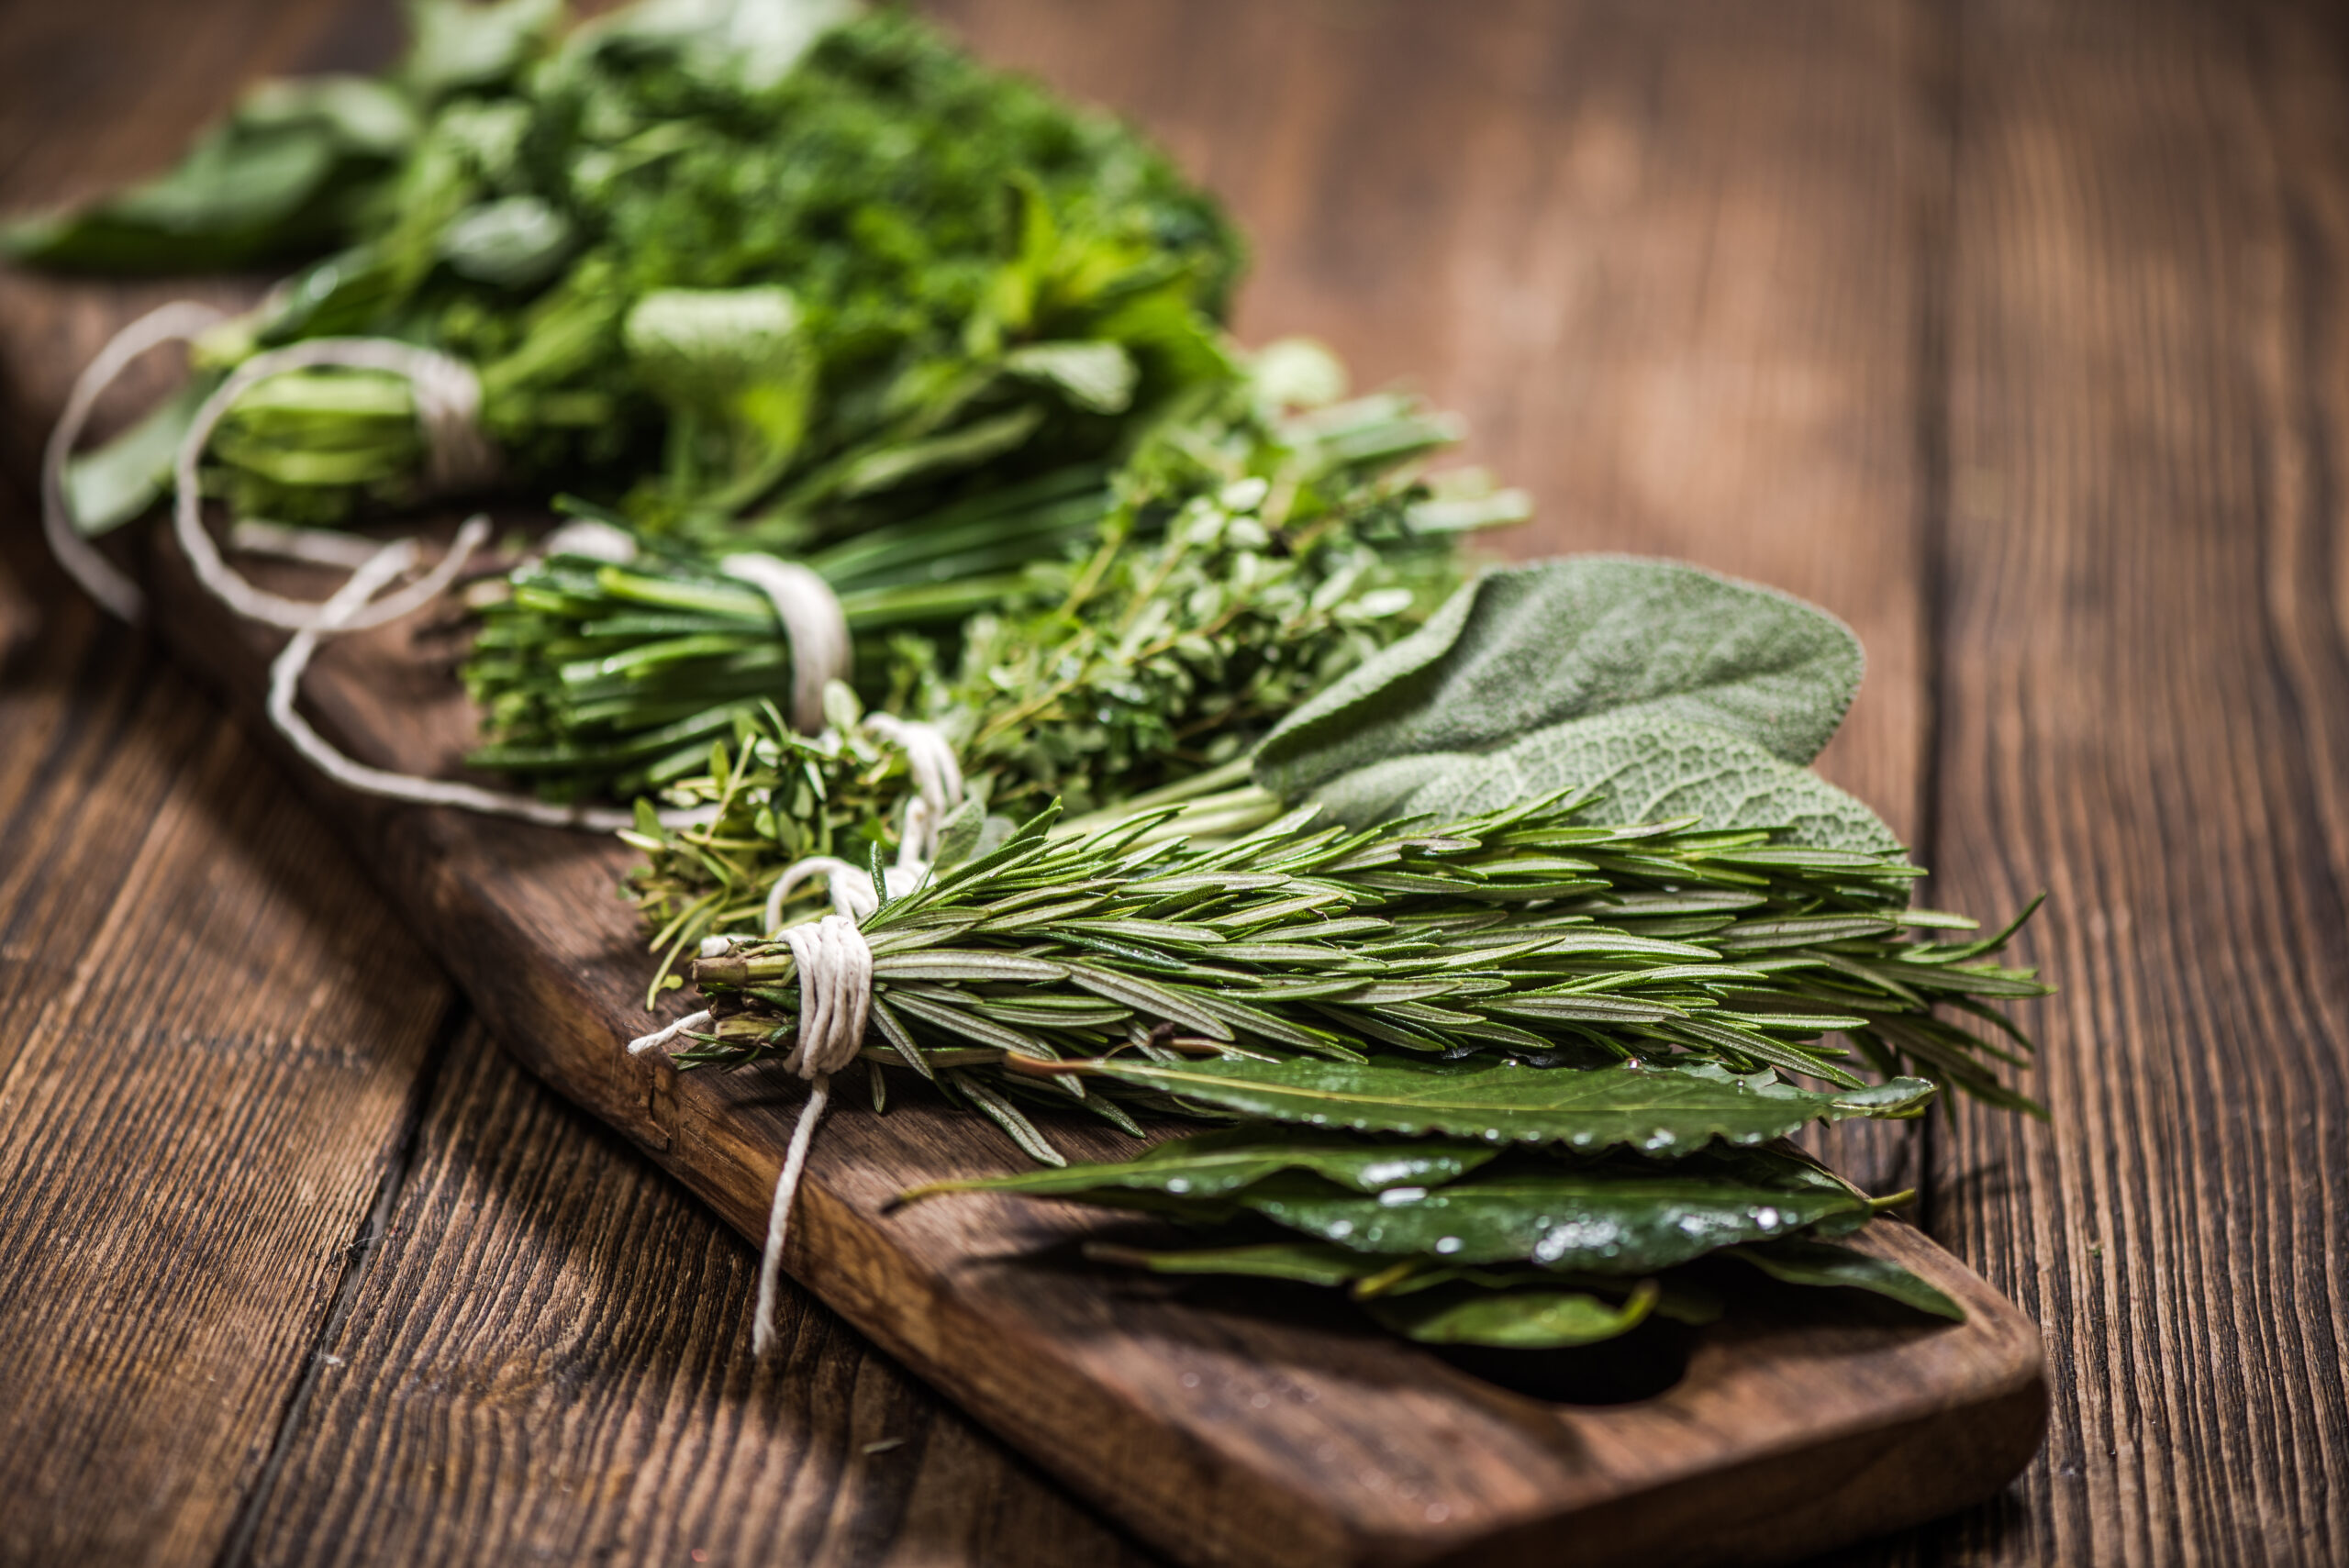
<point x="2146" y="686"/>
<point x="546" y="1361"/>
<point x="1668" y="261"/>
<point x="210" y="1031"/>
<point x="213" y="1030"/>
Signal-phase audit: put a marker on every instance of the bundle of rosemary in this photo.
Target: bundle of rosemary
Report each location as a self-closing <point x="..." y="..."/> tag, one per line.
<point x="779" y="271"/>
<point x="1393" y="1008"/>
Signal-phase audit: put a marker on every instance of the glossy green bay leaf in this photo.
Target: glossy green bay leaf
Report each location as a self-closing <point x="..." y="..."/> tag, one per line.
<point x="1544" y="1313"/>
<point x="1813" y="1263"/>
<point x="1595" y="1221"/>
<point x="1214" y="1163"/>
<point x="1656" y="1109"/>
<point x="1526" y="1318"/>
<point x="1305" y="1262"/>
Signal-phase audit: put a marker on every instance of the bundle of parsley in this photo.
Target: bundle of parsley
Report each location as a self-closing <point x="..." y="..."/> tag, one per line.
<point x="761" y="272"/>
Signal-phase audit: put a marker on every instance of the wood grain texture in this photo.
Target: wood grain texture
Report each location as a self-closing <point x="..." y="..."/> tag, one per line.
<point x="1293" y="1484"/>
<point x="546" y="1361"/>
<point x="208" y="1049"/>
<point x="2146" y="693"/>
<point x="1682" y="266"/>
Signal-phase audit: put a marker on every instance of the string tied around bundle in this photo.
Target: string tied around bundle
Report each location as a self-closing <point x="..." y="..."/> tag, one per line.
<point x="447" y="398"/>
<point x="344" y="611"/>
<point x="834" y="966"/>
<point x="446" y="395"/>
<point x="813" y="623"/>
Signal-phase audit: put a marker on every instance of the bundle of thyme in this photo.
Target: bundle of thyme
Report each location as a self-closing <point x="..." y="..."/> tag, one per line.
<point x="1250" y="559"/>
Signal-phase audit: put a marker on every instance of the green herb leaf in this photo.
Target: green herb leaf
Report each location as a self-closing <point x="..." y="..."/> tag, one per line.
<point x="1526" y="1318"/>
<point x="1524" y="650"/>
<point x="1212" y="1164"/>
<point x="1600" y="1221"/>
<point x="1811" y="1262"/>
<point x="1653" y="1109"/>
<point x="1643" y="768"/>
<point x="1307" y="1263"/>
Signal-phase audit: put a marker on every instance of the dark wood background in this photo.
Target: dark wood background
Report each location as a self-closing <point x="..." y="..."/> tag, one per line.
<point x="2017" y="335"/>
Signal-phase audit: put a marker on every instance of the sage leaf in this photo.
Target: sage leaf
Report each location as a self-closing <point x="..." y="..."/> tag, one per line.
<point x="1524" y="650"/>
<point x="1656" y="1110"/>
<point x="1640" y="768"/>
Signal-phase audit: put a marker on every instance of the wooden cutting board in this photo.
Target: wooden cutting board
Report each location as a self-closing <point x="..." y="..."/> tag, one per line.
<point x="1224" y="1425"/>
<point x="1227" y="1425"/>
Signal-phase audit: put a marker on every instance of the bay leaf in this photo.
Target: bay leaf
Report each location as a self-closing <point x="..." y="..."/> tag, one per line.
<point x="1811" y="1262"/>
<point x="1597" y="1221"/>
<point x="1212" y="1164"/>
<point x="1657" y="1110"/>
<point x="1522" y="1320"/>
<point x="1306" y="1263"/>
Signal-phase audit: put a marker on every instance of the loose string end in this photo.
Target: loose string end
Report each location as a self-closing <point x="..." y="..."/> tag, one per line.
<point x="659" y="1038"/>
<point x="786" y="1191"/>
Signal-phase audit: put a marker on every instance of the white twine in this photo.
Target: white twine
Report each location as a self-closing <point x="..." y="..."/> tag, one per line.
<point x="180" y="321"/>
<point x="835" y="993"/>
<point x="937" y="773"/>
<point x="813" y="622"/>
<point x="312" y="547"/>
<point x="448" y="402"/>
<point x="835" y="998"/>
<point x="597" y="541"/>
<point x="340" y="613"/>
<point x="835" y="970"/>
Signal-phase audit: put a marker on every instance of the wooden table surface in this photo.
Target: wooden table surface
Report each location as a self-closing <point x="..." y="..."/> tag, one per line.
<point x="2017" y="335"/>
